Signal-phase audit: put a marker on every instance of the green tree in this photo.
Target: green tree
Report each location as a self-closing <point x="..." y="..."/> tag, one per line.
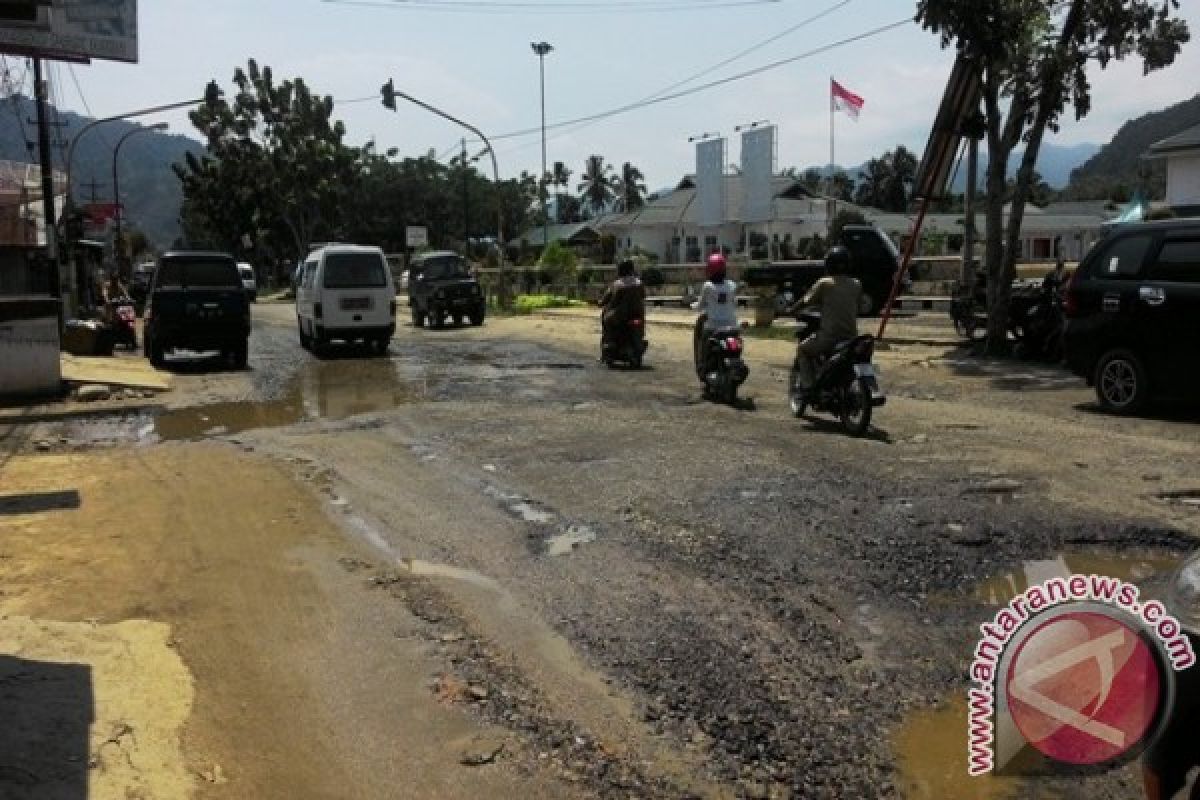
<point x="630" y="187"/>
<point x="596" y="187"/>
<point x="841" y="186"/>
<point x="558" y="263"/>
<point x="560" y="176"/>
<point x="1033" y="58"/>
<point x="276" y="167"/>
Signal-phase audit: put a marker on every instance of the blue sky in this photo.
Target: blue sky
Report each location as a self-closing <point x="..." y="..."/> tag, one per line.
<point x="480" y="67"/>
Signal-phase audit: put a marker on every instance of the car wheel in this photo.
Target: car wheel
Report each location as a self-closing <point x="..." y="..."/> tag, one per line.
<point x="477" y="319"/>
<point x="381" y="344"/>
<point x="436" y="319"/>
<point x="418" y="319"/>
<point x="156" y="352"/>
<point x="305" y="342"/>
<point x="241" y="355"/>
<point x="1120" y="380"/>
<point x="320" y="344"/>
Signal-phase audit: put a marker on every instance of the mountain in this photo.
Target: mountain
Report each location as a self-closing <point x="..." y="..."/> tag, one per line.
<point x="1119" y="167"/>
<point x="1055" y="164"/>
<point x="150" y="190"/>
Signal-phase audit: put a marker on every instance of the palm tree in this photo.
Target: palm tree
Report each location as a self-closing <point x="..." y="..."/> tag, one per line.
<point x="631" y="191"/>
<point x="560" y="176"/>
<point x="596" y="187"/>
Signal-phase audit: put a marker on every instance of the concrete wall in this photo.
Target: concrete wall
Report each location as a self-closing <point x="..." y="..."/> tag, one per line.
<point x="29" y="347"/>
<point x="1183" y="180"/>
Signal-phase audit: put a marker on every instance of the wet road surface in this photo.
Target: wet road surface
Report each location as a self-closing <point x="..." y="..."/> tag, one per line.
<point x="666" y="597"/>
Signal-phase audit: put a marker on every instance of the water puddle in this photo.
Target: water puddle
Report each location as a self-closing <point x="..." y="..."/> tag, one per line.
<point x="565" y="542"/>
<point x="430" y="569"/>
<point x="324" y="390"/>
<point x="1132" y="567"/>
<point x="931" y="754"/>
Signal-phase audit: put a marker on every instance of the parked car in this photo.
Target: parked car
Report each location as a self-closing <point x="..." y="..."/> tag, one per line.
<point x="249" y="280"/>
<point x="1133" y="314"/>
<point x="346" y="293"/>
<point x="441" y="286"/>
<point x="196" y="302"/>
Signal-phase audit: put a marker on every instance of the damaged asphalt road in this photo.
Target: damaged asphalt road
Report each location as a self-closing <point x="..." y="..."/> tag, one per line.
<point x="659" y="597"/>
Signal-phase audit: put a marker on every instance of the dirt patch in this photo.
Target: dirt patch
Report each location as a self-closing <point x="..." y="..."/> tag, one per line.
<point x="304" y="685"/>
<point x="92" y="710"/>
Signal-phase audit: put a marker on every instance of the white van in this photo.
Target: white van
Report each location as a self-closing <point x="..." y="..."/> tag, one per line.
<point x="346" y="293"/>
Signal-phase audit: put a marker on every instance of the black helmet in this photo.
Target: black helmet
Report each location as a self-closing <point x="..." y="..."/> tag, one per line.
<point x="837" y="261"/>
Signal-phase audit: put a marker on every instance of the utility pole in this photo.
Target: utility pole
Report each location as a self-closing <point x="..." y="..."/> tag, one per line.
<point x="542" y="48"/>
<point x="46" y="162"/>
<point x="466" y="204"/>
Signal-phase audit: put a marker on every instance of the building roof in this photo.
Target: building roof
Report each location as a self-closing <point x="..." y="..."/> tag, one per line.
<point x="572" y="233"/>
<point x="1188" y="140"/>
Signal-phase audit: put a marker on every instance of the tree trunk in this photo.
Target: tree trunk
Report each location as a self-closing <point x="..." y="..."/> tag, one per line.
<point x="999" y="289"/>
<point x="1051" y="90"/>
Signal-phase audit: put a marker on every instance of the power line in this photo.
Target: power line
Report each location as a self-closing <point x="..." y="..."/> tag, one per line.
<point x="708" y="70"/>
<point x="507" y="7"/>
<point x="709" y="85"/>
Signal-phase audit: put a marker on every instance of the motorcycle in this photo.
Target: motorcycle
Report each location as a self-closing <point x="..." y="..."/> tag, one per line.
<point x="627" y="344"/>
<point x="122" y="321"/>
<point x="720" y="366"/>
<point x="846" y="383"/>
<point x="1037" y="320"/>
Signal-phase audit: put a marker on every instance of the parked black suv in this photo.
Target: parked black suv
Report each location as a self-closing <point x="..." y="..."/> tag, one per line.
<point x="1133" y="314"/>
<point x="440" y="285"/>
<point x="197" y="302"/>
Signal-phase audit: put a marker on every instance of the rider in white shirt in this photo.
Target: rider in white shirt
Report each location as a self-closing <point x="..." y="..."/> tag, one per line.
<point x="717" y="304"/>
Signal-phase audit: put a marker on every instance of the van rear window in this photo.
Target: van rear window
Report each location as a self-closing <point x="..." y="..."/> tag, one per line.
<point x="354" y="271"/>
<point x="205" y="273"/>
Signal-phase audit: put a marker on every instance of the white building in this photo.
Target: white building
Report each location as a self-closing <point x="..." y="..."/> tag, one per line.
<point x="1182" y="153"/>
<point x="668" y="225"/>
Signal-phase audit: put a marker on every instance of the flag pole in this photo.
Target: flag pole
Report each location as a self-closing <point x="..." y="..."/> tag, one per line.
<point x="831" y="200"/>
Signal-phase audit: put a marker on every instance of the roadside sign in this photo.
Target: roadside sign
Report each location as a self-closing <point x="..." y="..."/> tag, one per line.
<point x="416" y="236"/>
<point x="71" y="30"/>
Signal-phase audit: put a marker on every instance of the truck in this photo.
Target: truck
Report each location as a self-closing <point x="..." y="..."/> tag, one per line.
<point x="875" y="262"/>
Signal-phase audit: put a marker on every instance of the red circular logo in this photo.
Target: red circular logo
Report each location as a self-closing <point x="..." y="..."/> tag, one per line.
<point x="1084" y="688"/>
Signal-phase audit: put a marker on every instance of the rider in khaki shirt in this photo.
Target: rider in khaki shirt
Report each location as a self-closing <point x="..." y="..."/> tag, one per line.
<point x="836" y="296"/>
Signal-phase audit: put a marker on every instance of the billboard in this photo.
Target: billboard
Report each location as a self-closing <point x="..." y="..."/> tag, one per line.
<point x="758" y="170"/>
<point x="73" y="30"/>
<point x="710" y="182"/>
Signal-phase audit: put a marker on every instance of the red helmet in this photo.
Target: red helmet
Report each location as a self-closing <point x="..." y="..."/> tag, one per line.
<point x="715" y="270"/>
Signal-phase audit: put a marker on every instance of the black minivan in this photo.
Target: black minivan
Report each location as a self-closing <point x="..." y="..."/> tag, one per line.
<point x="197" y="302"/>
<point x="1133" y="314"/>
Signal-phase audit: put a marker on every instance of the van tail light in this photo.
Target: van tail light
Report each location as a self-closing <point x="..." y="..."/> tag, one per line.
<point x="317" y="310"/>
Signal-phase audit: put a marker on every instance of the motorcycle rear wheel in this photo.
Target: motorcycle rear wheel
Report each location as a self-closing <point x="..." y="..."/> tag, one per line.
<point x="797" y="400"/>
<point x="856" y="407"/>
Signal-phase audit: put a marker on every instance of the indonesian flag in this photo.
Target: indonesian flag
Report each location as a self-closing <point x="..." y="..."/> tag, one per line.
<point x="845" y="100"/>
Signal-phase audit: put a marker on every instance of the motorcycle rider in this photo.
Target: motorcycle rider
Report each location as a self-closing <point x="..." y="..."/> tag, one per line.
<point x="623" y="300"/>
<point x="717" y="305"/>
<point x="836" y="296"/>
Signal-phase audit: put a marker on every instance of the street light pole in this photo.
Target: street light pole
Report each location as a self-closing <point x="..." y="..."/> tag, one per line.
<point x="68" y="206"/>
<point x="542" y="48"/>
<point x="118" y="241"/>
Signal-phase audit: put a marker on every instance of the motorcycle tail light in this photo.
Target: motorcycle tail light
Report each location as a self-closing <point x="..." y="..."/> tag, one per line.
<point x="635" y="323"/>
<point x="733" y="344"/>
